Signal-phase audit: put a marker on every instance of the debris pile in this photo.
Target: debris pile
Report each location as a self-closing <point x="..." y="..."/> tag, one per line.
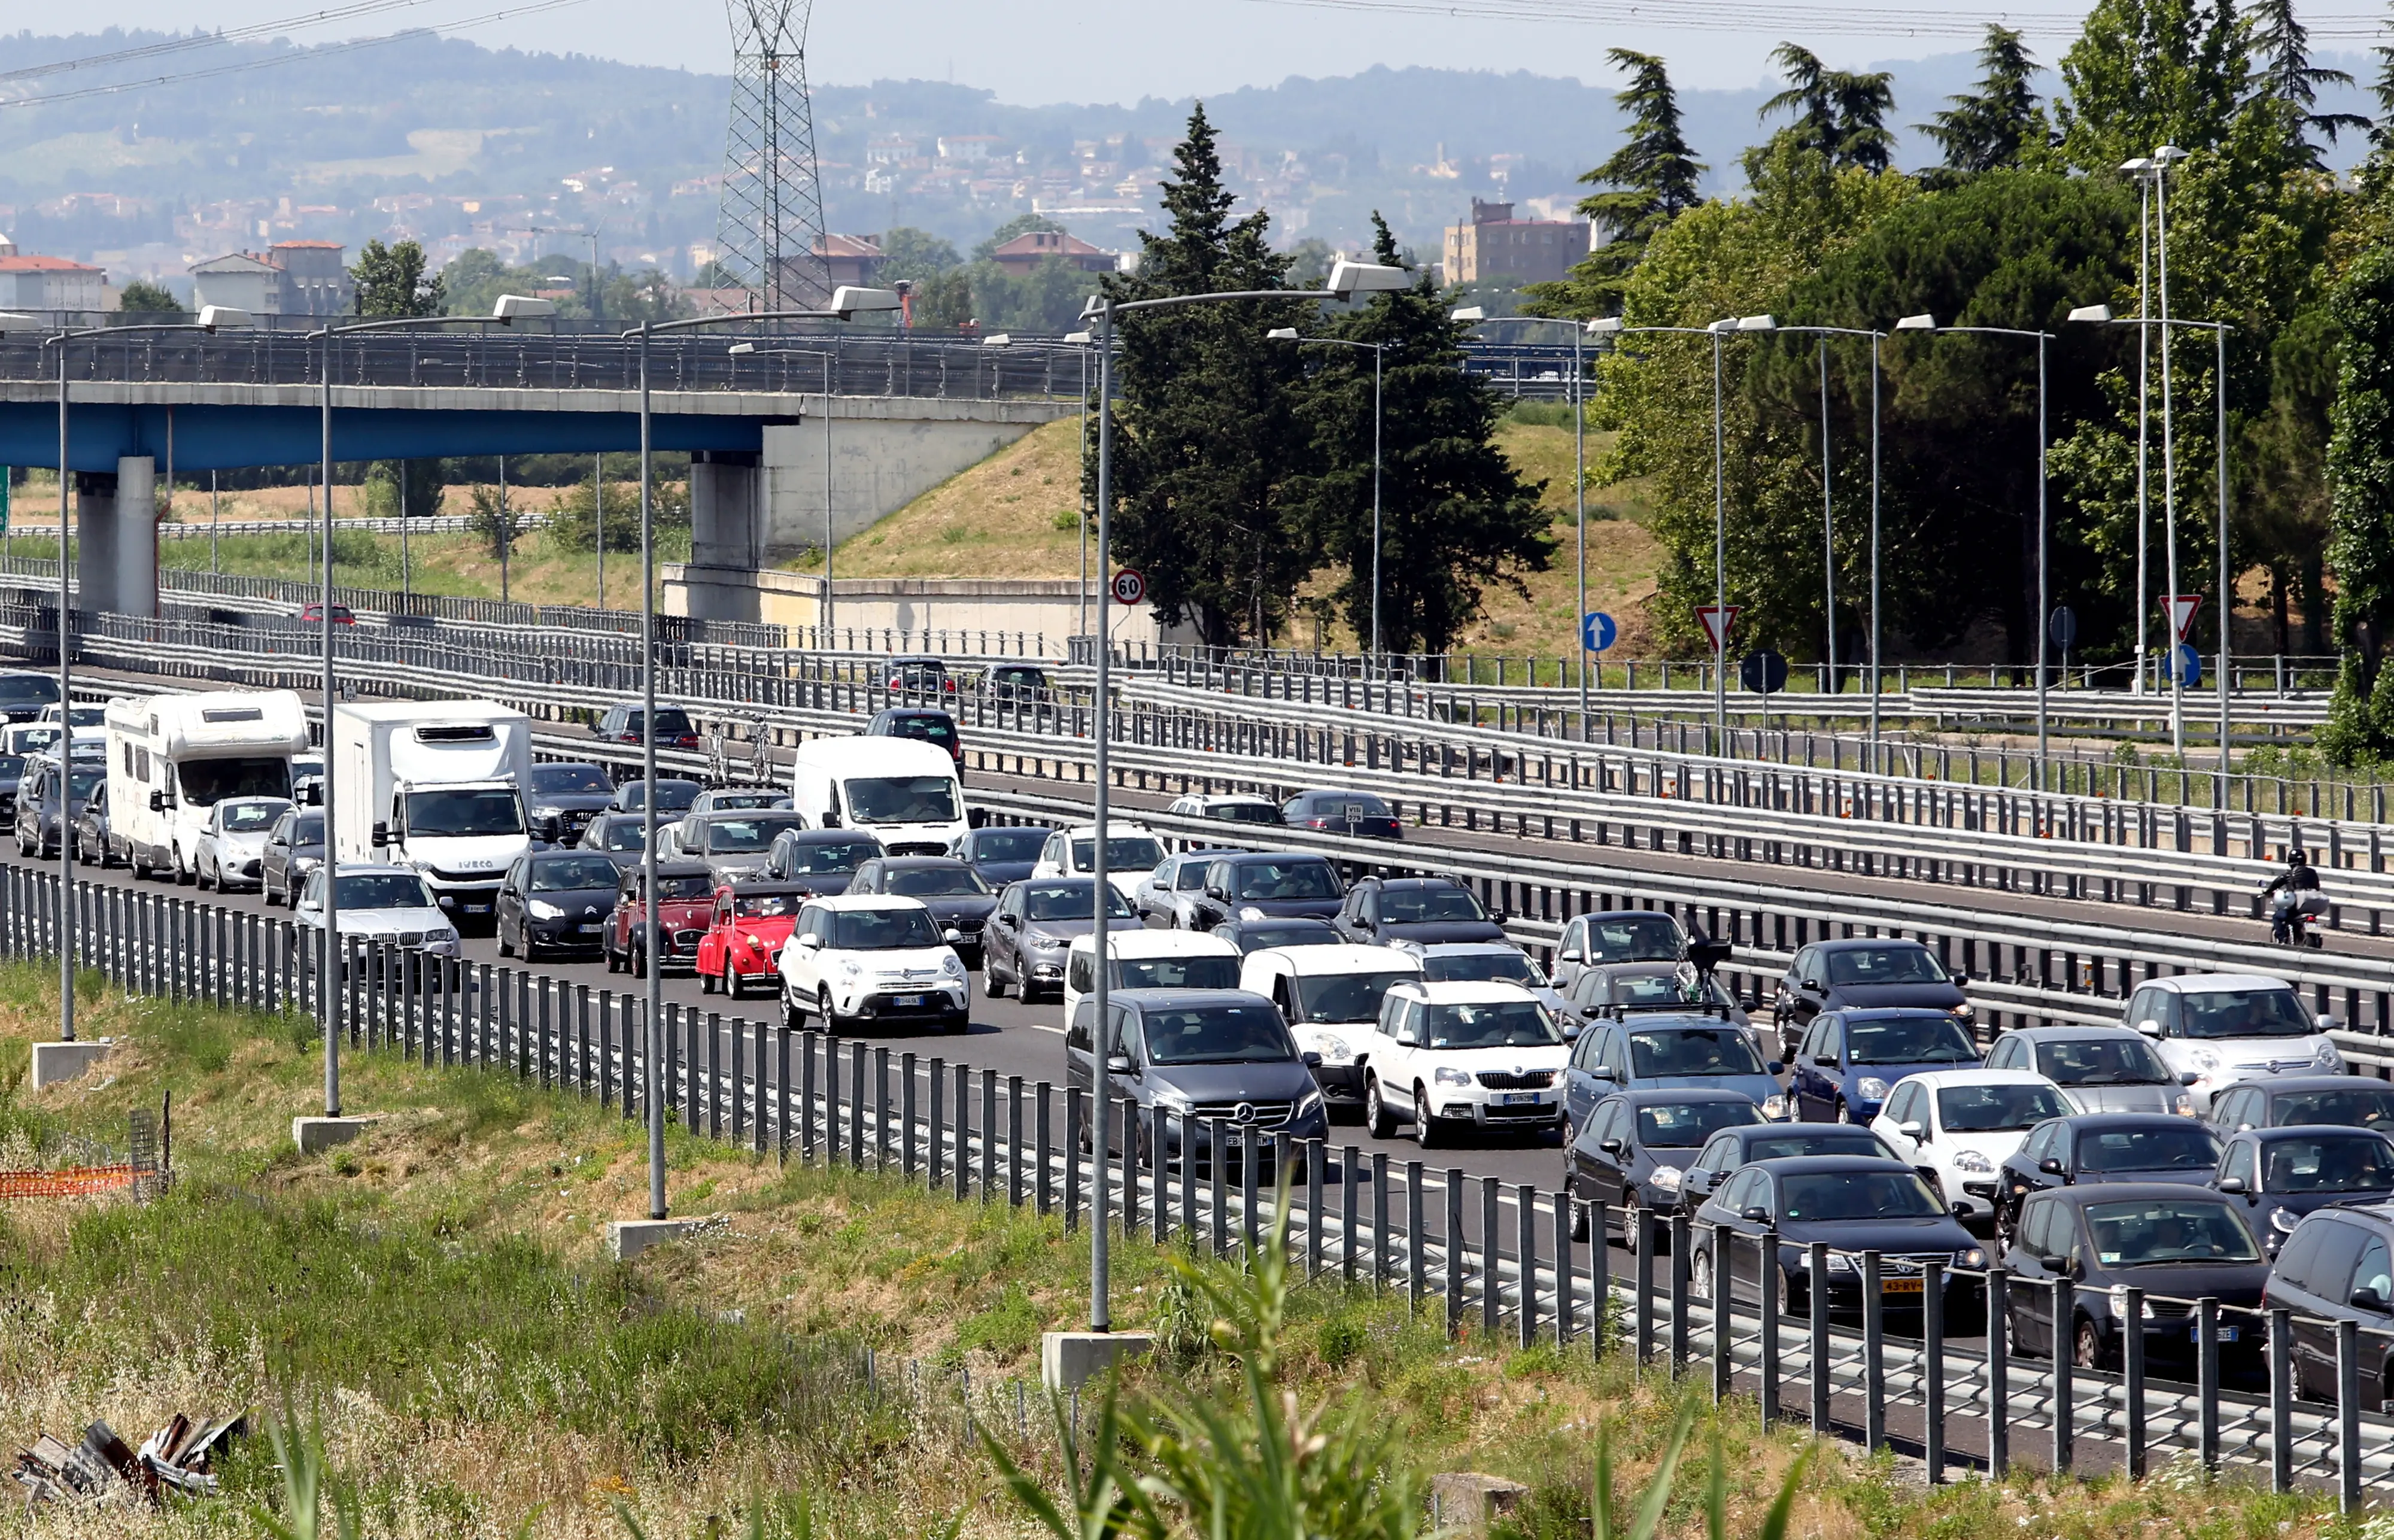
<point x="104" y="1468"/>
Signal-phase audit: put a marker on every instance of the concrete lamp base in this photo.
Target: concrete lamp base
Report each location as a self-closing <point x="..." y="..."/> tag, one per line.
<point x="1070" y="1360"/>
<point x="628" y="1237"/>
<point x="55" y="1063"/>
<point x="316" y="1135"/>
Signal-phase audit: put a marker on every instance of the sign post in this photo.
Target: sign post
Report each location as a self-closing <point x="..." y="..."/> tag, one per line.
<point x="1764" y="673"/>
<point x="1717" y="619"/>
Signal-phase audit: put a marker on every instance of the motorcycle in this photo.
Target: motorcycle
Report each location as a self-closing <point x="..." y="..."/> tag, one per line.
<point x="2294" y="918"/>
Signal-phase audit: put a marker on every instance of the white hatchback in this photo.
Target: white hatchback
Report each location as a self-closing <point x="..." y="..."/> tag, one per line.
<point x="873" y="957"/>
<point x="1956" y="1126"/>
<point x="1131" y="853"/>
<point x="1444" y="1056"/>
<point x="2223" y="1028"/>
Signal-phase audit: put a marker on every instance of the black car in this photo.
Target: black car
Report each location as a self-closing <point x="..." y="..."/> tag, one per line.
<point x="619" y="836"/>
<point x="1634" y="1150"/>
<point x="90" y="835"/>
<point x="1268" y="884"/>
<point x="922" y="724"/>
<point x="959" y="901"/>
<point x="2283" y="1174"/>
<point x="2335" y="1268"/>
<point x="1384" y="910"/>
<point x="294" y="847"/>
<point x="920" y="679"/>
<point x="2093" y="1147"/>
<point x="624" y="724"/>
<point x="2354" y="1101"/>
<point x="556" y="900"/>
<point x="1296" y="930"/>
<point x="824" y="860"/>
<point x="674" y="796"/>
<point x="1732" y="1148"/>
<point x="1024" y="946"/>
<point x="1021" y="683"/>
<point x="563" y="798"/>
<point x="735" y="844"/>
<point x="1002" y="853"/>
<point x="1198" y="1055"/>
<point x="1865" y="973"/>
<point x="2178" y="1243"/>
<point x="1356" y="813"/>
<point x="23" y="695"/>
<point x="1852" y="1204"/>
<point x="12" y="777"/>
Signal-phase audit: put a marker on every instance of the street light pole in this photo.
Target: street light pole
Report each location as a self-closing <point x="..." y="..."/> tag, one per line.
<point x="1379" y="353"/>
<point x="2142" y="168"/>
<point x="2162" y="159"/>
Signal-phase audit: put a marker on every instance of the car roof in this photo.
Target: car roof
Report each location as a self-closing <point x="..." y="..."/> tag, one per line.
<point x="915" y="863"/>
<point x="1244" y="856"/>
<point x="556" y="853"/>
<point x="1858" y="1132"/>
<point x="2097" y="1122"/>
<point x="1306" y="962"/>
<point x="825" y="836"/>
<point x="371" y="868"/>
<point x="1862" y="943"/>
<point x="857" y="900"/>
<point x="1116" y="828"/>
<point x="1652" y="1098"/>
<point x="676" y="868"/>
<point x="1673" y="1022"/>
<point x="1224" y="800"/>
<point x="1172" y="999"/>
<point x="2184" y="982"/>
<point x="1158" y="943"/>
<point x="1466" y="991"/>
<point x="2317" y="1083"/>
<point x="750" y="886"/>
<point x="1471" y="949"/>
<point x="1806" y="1165"/>
<point x="1415" y="882"/>
<point x="1302" y="921"/>
<point x="2306" y="1130"/>
<point x="2071" y="1034"/>
<point x="2102" y="1192"/>
<point x="1882" y="1013"/>
<point x="1936" y="1079"/>
<point x="898" y="713"/>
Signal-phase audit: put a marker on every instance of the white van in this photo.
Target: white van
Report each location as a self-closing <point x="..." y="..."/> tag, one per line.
<point x="1151" y="959"/>
<point x="1331" y="996"/>
<point x="902" y="792"/>
<point x="436" y="785"/>
<point x="1132" y="854"/>
<point x="171" y="758"/>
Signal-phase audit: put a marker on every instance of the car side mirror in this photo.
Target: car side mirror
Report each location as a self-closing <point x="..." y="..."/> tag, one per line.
<point x="1118" y="1063"/>
<point x="810" y="941"/>
<point x="2149" y="1027"/>
<point x="1570" y="954"/>
<point x="157" y="802"/>
<point x="1816" y="986"/>
<point x="1702" y="1181"/>
<point x="2331" y="1023"/>
<point x="1601" y="1071"/>
<point x="2053" y="1262"/>
<point x="1775" y="1067"/>
<point x="1755" y="1213"/>
<point x="2231" y="1184"/>
<point x="1961" y="980"/>
<point x="2368" y="1299"/>
<point x="1012" y="922"/>
<point x="1913" y="1129"/>
<point x="1571" y="1031"/>
<point x="1312" y="1061"/>
<point x="2050" y="1165"/>
<point x="1217" y="894"/>
<point x="381" y="835"/>
<point x="1610" y="1146"/>
<point x="2189" y="1078"/>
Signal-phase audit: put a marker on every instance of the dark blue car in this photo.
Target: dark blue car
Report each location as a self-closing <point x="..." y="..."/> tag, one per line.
<point x="1001" y="854"/>
<point x="2282" y="1174"/>
<point x="1852" y="1204"/>
<point x="1268" y="885"/>
<point x="1658" y="1052"/>
<point x="1849" y="1059"/>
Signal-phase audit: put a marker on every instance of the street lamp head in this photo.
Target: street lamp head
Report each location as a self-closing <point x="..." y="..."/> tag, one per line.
<point x="512" y="308"/>
<point x="998" y="339"/>
<point x="1606" y="325"/>
<point x="2091" y="312"/>
<point x="1352" y="278"/>
<point x="1281" y="334"/>
<point x="2136" y="167"/>
<point x="11" y="322"/>
<point x="1758" y="323"/>
<point x="2169" y="154"/>
<point x="1916" y="323"/>
<point x="1078" y="339"/>
<point x="741" y="348"/>
<point x="1468" y="313"/>
<point x="846" y="301"/>
<point x="224" y="318"/>
<point x="1094" y="306"/>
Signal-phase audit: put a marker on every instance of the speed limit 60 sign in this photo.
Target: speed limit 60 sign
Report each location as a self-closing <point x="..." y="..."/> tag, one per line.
<point x="1130" y="586"/>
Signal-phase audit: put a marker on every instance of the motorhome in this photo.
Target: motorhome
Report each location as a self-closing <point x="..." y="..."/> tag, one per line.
<point x="171" y="758"/>
<point x="437" y="786"/>
<point x="903" y="793"/>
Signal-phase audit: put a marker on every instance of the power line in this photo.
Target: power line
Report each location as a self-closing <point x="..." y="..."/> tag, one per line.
<point x="207" y="40"/>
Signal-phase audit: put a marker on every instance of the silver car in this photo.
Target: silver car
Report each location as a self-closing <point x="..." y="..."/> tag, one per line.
<point x="232" y="849"/>
<point x="2100" y="1069"/>
<point x="1164" y="894"/>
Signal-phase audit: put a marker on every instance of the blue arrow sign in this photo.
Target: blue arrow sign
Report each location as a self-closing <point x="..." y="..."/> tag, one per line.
<point x="2183" y="665"/>
<point x="1597" y="631"/>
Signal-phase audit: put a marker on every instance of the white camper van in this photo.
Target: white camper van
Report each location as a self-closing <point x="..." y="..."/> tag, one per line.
<point x="173" y="757"/>
<point x="436" y="786"/>
<point x="902" y="792"/>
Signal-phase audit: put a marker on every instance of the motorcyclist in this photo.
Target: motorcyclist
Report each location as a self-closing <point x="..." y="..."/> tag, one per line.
<point x="2288" y="887"/>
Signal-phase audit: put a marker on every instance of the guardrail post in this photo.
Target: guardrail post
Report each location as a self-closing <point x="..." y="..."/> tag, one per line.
<point x="1724" y="1312"/>
<point x="1525" y="1224"/>
<point x="1248" y="1219"/>
<point x="1217" y="1160"/>
<point x="1192" y="1233"/>
<point x="1099" y="1110"/>
<point x="1454" y="1258"/>
<point x="2064" y="1413"/>
<point x="1638" y="1226"/>
<point x="1932" y="1367"/>
<point x="1350" y="1198"/>
<point x="2282" y="1400"/>
<point x="1043" y="1183"/>
<point x="857" y="1107"/>
<point x="2130" y="1309"/>
<point x="1999" y="1383"/>
<point x="1383" y="1259"/>
<point x="1566" y="1279"/>
<point x="1599" y="1285"/>
<point x="1873" y="1283"/>
<point x="806" y="1102"/>
<point x="1075" y="1125"/>
<point x="2206" y="1379"/>
<point x="2348" y="1415"/>
<point x="1491" y="1292"/>
<point x="1013" y="1134"/>
<point x="1678" y="1231"/>
<point x="782" y="1036"/>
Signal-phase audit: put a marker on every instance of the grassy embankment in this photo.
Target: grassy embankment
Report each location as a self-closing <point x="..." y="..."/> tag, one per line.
<point x="437" y="1294"/>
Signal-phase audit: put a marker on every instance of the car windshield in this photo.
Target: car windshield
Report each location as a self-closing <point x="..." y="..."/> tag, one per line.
<point x="1175" y="972"/>
<point x="747" y="836"/>
<point x="1908" y="1040"/>
<point x="1190" y="875"/>
<point x="1345" y="996"/>
<point x="240" y="818"/>
<point x="569" y="781"/>
<point x="1886" y="965"/>
<point x="383" y="891"/>
<point x="309" y="830"/>
<point x="1009" y="843"/>
<point x="573" y="874"/>
<point x="672" y="795"/>
<point x="1825" y="1141"/>
<point x="2116" y="1059"/>
<point x="1644" y="937"/>
<point x="2179" y="1147"/>
<point x="1683" y="1126"/>
<point x="1856" y="1195"/>
<point x="2329" y="1162"/>
<point x="829" y="857"/>
<point x="766" y="906"/>
<point x="1492" y="1024"/>
<point x="1254" y="935"/>
<point x="1666" y="989"/>
<point x="33" y="740"/>
<point x="464" y="812"/>
<point x="83" y="782"/>
<point x="1997" y="1108"/>
<point x="1694" y="1050"/>
<point x="1124" y="853"/>
<point x="723" y="801"/>
<point x="208" y="782"/>
<point x="1216" y="1034"/>
<point x="883" y="929"/>
<point x="1428" y="905"/>
<point x="1071" y="900"/>
<point x="1341" y="809"/>
<point x="24" y="690"/>
<point x="2362" y="1106"/>
<point x="620" y="833"/>
<point x="904" y="799"/>
<point x="1485" y="967"/>
<point x="2245" y="1013"/>
<point x="12" y="767"/>
<point x="1244" y="812"/>
<point x="684" y="889"/>
<point x="2152" y="1231"/>
<point x="1306" y="878"/>
<point x="928" y="729"/>
<point x="930" y="882"/>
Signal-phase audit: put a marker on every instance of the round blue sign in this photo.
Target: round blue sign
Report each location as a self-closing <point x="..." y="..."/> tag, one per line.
<point x="1597" y="631"/>
<point x="2183" y="665"/>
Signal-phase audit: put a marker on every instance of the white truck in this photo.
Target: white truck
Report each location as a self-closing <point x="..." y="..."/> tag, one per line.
<point x="436" y="786"/>
<point x="171" y="758"/>
<point x="902" y="791"/>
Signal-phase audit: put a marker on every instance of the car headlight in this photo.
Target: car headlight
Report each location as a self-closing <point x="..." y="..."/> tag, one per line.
<point x="2283" y="1219"/>
<point x="2328" y="1058"/>
<point x="1774" y="1108"/>
<point x="1838" y="1262"/>
<point x="305" y="863"/>
<point x="1170" y="1100"/>
<point x="1965" y="1010"/>
<point x="1333" y="1050"/>
<point x="1871" y="1088"/>
<point x="541" y="909"/>
<point x="2120" y="1302"/>
<point x="1249" y="912"/>
<point x="441" y="935"/>
<point x="1047" y="943"/>
<point x="549" y="812"/>
<point x="1309" y="1105"/>
<point x="1970" y="1257"/>
<point x="2182" y="1104"/>
<point x="1971" y="1161"/>
<point x="953" y="965"/>
<point x="2206" y="1061"/>
<point x="1445" y="1077"/>
<point x="847" y="968"/>
<point x="1667" y="1177"/>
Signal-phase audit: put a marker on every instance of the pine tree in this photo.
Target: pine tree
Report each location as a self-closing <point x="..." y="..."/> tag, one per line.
<point x="1992" y="126"/>
<point x="2361" y="476"/>
<point x="1456" y="518"/>
<point x="1205" y="435"/>
<point x="1840" y="114"/>
<point x="2281" y="50"/>
<point x="1655" y="178"/>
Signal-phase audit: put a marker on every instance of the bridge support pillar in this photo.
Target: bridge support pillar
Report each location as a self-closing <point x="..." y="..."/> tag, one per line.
<point x="726" y="536"/>
<point x="116" y="537"/>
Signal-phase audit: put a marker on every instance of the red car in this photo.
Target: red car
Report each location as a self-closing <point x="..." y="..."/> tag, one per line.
<point x="341" y="615"/>
<point x="686" y="908"/>
<point x="743" y="945"/>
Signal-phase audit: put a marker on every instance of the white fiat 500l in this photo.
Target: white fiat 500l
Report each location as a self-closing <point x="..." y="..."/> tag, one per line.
<point x="2223" y="1028"/>
<point x="1444" y="1056"/>
<point x="1956" y="1126"/>
<point x="872" y="957"/>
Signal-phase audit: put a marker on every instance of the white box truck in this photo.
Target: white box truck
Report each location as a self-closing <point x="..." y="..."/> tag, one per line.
<point x="436" y="786"/>
<point x="902" y="791"/>
<point x="172" y="759"/>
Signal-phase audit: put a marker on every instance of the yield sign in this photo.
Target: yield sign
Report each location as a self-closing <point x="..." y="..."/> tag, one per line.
<point x="1717" y="619"/>
<point x="2181" y="608"/>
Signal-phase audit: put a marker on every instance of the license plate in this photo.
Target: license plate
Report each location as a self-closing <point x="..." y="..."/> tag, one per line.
<point x="909" y="1000"/>
<point x="478" y="909"/>
<point x="590" y="929"/>
<point x="1518" y="1098"/>
<point x="1899" y="1285"/>
<point x="2219" y="1333"/>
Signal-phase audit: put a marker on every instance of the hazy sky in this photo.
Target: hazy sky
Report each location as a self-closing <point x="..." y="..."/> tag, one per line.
<point x="1032" y="52"/>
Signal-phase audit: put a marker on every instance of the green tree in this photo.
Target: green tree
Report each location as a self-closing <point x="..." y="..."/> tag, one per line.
<point x="1455" y="517"/>
<point x="2148" y="73"/>
<point x="915" y="254"/>
<point x="1840" y="114"/>
<point x="392" y="281"/>
<point x="1205" y="435"/>
<point x="943" y="301"/>
<point x="2361" y="471"/>
<point x="1022" y="224"/>
<point x="143" y="298"/>
<point x="1655" y="178"/>
<point x="2286" y="76"/>
<point x="424" y="482"/>
<point x="1993" y="125"/>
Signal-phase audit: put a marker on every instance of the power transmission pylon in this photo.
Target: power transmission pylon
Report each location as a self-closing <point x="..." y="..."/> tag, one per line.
<point x="769" y="235"/>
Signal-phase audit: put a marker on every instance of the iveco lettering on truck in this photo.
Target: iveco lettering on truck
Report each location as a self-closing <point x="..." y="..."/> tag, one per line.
<point x="905" y="794"/>
<point x="171" y="758"/>
<point x="436" y="786"/>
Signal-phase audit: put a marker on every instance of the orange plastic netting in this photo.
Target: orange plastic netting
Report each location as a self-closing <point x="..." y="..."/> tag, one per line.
<point x="73" y="1181"/>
